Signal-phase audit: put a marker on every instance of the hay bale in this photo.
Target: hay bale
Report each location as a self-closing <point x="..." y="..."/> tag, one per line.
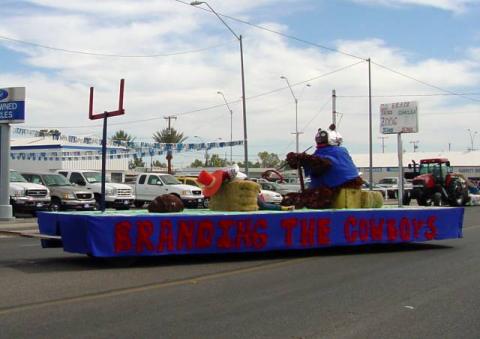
<point x="372" y="199"/>
<point x="348" y="198"/>
<point x="377" y="199"/>
<point x="236" y="195"/>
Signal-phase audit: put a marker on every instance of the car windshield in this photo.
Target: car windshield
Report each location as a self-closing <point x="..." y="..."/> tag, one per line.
<point x="169" y="180"/>
<point x="56" y="180"/>
<point x="93" y="177"/>
<point x="16" y="177"/>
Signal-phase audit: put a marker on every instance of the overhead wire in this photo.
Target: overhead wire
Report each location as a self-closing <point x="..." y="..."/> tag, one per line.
<point x="210" y="107"/>
<point x="59" y="49"/>
<point x="332" y="50"/>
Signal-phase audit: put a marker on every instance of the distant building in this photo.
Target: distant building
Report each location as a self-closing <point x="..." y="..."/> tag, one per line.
<point x="46" y="154"/>
<point x="386" y="164"/>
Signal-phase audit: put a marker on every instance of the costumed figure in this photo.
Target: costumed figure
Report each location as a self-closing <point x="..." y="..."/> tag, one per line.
<point x="334" y="178"/>
<point x="229" y="192"/>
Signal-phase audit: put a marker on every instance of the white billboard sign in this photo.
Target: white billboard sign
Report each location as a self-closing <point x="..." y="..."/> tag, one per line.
<point x="399" y="117"/>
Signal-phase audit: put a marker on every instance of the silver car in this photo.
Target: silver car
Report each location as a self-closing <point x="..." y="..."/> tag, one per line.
<point x="64" y="194"/>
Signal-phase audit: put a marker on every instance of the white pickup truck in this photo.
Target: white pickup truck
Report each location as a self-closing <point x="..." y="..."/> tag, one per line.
<point x="148" y="186"/>
<point x="119" y="196"/>
<point x="26" y="196"/>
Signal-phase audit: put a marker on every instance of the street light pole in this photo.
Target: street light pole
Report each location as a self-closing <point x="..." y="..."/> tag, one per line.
<point x="244" y="105"/>
<point x="231" y="123"/>
<point x="296" y="113"/>
<point x="472" y="138"/>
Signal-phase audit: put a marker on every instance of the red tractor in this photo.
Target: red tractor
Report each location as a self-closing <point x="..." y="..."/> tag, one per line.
<point x="434" y="183"/>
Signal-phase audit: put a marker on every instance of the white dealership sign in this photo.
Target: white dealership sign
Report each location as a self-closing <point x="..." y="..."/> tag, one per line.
<point x="399" y="117"/>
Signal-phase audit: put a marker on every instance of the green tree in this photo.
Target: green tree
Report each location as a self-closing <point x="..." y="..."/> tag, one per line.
<point x="197" y="163"/>
<point x="268" y="159"/>
<point x="121" y="135"/>
<point x="216" y="161"/>
<point x="136" y="162"/>
<point x="158" y="163"/>
<point x="169" y="136"/>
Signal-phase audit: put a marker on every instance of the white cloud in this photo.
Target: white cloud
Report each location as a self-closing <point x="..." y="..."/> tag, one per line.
<point x="456" y="6"/>
<point x="58" y="88"/>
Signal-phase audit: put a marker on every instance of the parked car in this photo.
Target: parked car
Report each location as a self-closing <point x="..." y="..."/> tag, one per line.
<point x="283" y="189"/>
<point x="271" y="196"/>
<point x="119" y="196"/>
<point x="150" y="185"/>
<point x="63" y="193"/>
<point x="391" y="185"/>
<point x="192" y="181"/>
<point x="375" y="187"/>
<point x="27" y="197"/>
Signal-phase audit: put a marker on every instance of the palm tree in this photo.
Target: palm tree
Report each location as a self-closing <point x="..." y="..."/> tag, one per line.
<point x="121" y="135"/>
<point x="169" y="136"/>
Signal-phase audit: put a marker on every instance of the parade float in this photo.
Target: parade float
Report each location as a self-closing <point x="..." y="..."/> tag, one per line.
<point x="332" y="211"/>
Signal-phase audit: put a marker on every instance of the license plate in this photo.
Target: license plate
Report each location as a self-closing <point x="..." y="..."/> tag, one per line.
<point x="126" y="202"/>
<point x="39" y="204"/>
<point x="86" y="206"/>
<point x="199" y="200"/>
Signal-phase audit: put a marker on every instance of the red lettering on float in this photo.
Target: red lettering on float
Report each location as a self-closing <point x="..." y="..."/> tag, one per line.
<point x="417" y="226"/>
<point x="307" y="232"/>
<point x="363" y="227"/>
<point x="123" y="242"/>
<point x="391" y="230"/>
<point x="405" y="229"/>
<point x="205" y="233"/>
<point x="144" y="232"/>
<point x="350" y="235"/>
<point x="376" y="229"/>
<point x="288" y="225"/>
<point x="432" y="233"/>
<point x="323" y="231"/>
<point x="224" y="240"/>
<point x="243" y="234"/>
<point x="166" y="236"/>
<point x="259" y="239"/>
<point x="185" y="235"/>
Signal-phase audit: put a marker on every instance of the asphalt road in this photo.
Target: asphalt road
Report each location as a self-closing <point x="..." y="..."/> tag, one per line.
<point x="397" y="291"/>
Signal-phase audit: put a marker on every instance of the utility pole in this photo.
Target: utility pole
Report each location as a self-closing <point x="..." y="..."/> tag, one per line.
<point x="169" y="152"/>
<point x="169" y="118"/>
<point x="383" y="143"/>
<point x="334" y="107"/>
<point x="414" y="145"/>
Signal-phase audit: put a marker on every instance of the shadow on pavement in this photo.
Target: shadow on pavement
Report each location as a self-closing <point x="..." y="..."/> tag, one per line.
<point x="81" y="262"/>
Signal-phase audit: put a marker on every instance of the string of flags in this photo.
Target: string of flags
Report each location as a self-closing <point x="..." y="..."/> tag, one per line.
<point x="118" y="153"/>
<point x="20" y="131"/>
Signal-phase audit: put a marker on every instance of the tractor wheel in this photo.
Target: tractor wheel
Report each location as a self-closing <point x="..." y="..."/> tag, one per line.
<point x="458" y="196"/>
<point x="437" y="199"/>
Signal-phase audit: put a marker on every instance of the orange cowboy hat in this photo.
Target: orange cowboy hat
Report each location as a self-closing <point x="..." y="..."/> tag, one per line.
<point x="211" y="181"/>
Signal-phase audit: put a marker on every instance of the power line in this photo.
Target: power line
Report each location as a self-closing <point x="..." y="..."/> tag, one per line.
<point x="71" y="51"/>
<point x="209" y="107"/>
<point x="278" y="33"/>
<point x="332" y="50"/>
<point x="424" y="82"/>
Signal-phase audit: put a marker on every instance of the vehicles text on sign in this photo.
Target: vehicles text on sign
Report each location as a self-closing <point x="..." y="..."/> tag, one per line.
<point x="399" y="117"/>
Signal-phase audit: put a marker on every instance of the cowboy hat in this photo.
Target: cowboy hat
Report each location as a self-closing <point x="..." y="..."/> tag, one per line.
<point x="211" y="182"/>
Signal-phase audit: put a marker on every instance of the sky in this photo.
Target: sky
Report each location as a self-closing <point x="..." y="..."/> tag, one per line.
<point x="175" y="58"/>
